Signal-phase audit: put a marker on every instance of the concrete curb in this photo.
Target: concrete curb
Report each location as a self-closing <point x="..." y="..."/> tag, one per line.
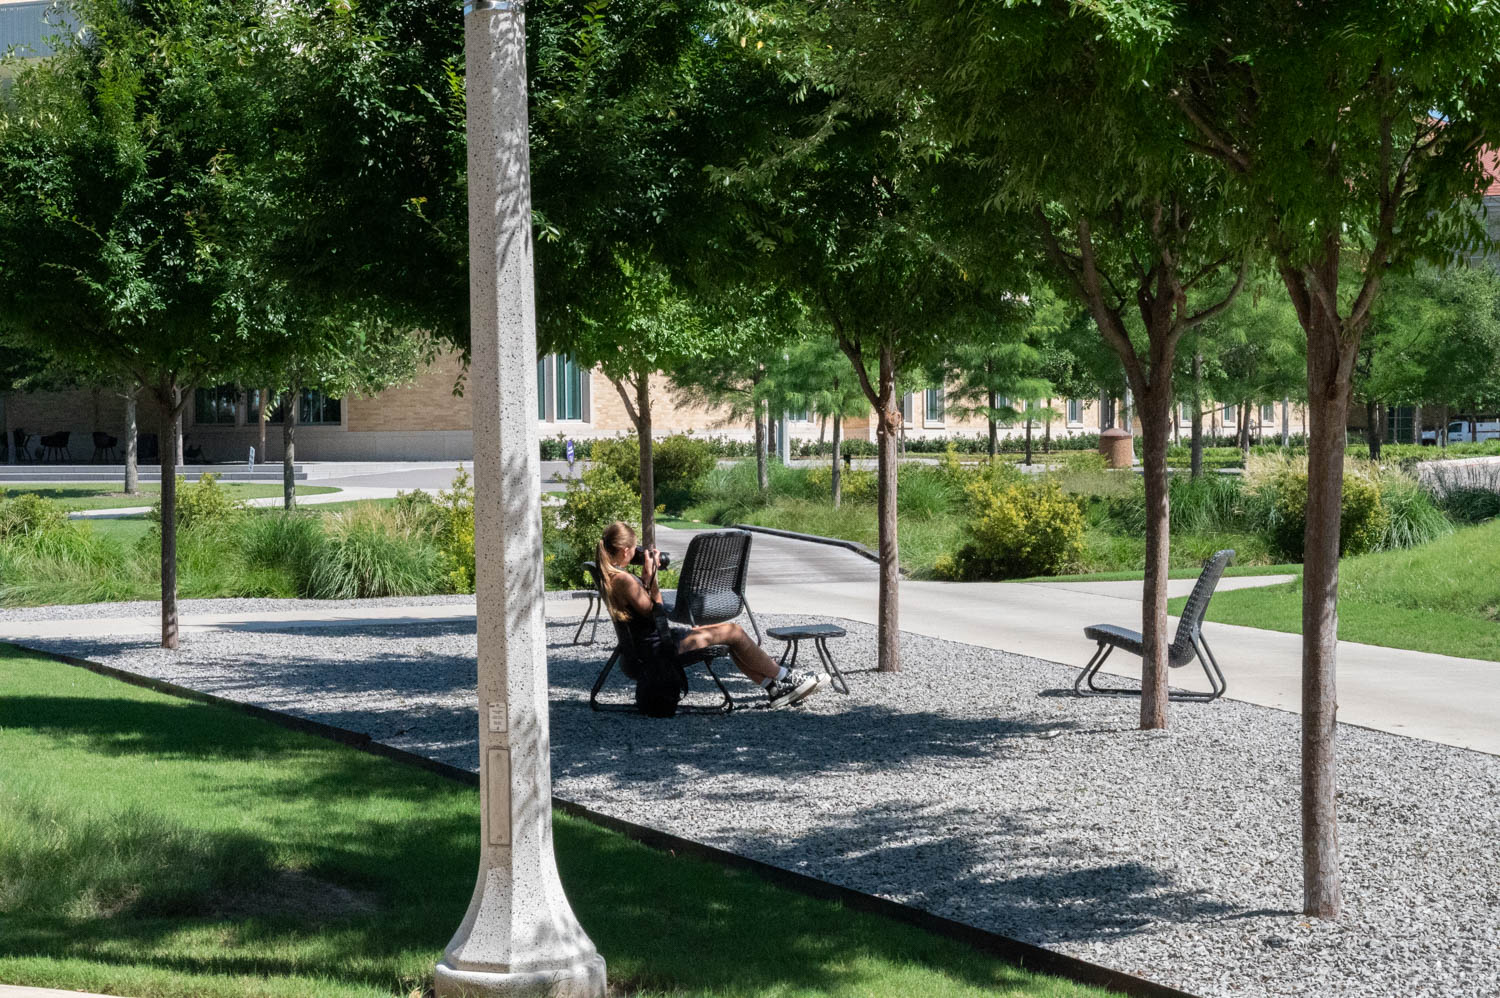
<point x="1025" y="955"/>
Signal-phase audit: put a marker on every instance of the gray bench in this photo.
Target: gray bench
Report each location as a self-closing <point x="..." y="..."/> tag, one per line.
<point x="1187" y="644"/>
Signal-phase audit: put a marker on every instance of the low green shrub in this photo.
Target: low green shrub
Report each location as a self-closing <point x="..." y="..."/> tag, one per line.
<point x="678" y="464"/>
<point x="452" y="515"/>
<point x="592" y="502"/>
<point x="27" y="514"/>
<point x="856" y="485"/>
<point x="204" y="503"/>
<point x="1016" y="530"/>
<point x="1363" y="521"/>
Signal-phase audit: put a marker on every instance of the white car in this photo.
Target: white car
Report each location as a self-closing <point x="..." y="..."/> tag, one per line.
<point x="1462" y="431"/>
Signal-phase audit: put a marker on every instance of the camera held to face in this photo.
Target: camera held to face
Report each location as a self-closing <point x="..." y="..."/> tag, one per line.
<point x="639" y="558"/>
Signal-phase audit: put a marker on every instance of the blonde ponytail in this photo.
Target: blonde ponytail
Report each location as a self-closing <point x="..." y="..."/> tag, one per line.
<point x="617" y="536"/>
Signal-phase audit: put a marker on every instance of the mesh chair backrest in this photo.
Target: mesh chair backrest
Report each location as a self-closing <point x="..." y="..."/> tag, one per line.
<point x="1190" y="622"/>
<point x="711" y="588"/>
<point x="102" y="439"/>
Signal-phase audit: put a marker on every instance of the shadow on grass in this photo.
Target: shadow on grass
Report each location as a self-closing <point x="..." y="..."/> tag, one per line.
<point x="406" y="837"/>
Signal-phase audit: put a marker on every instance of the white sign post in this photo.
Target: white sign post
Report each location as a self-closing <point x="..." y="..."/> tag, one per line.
<point x="519" y="936"/>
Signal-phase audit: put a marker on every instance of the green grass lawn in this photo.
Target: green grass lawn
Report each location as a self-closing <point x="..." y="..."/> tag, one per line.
<point x="1442" y="597"/>
<point x="107" y="495"/>
<point x="160" y="848"/>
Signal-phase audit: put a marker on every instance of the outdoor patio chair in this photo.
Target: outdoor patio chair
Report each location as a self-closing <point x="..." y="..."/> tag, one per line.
<point x="1187" y="644"/>
<point x="629" y="657"/>
<point x="21" y="441"/>
<point x="711" y="587"/>
<point x="55" y="446"/>
<point x="104" y="447"/>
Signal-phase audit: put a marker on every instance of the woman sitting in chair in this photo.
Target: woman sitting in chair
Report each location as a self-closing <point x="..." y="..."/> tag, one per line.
<point x="633" y="602"/>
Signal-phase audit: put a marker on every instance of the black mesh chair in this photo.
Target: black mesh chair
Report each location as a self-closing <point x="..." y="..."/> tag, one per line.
<point x="21" y="443"/>
<point x="55" y="446"/>
<point x="629" y="656"/>
<point x="104" y="447"/>
<point x="1187" y="644"/>
<point x="711" y="587"/>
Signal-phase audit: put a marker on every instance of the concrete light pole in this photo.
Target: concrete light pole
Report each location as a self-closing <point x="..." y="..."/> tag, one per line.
<point x="519" y="936"/>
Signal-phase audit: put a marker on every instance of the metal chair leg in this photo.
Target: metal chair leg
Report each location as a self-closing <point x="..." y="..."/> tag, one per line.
<point x="599" y="685"/>
<point x="754" y="624"/>
<point x="725" y="706"/>
<point x="1086" y="677"/>
<point x="1210" y="665"/>
<point x="588" y="614"/>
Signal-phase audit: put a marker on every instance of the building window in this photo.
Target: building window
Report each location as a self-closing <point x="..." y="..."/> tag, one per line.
<point x="906" y="408"/>
<point x="541" y="388"/>
<point x="1075" y="412"/>
<point x="1268" y="413"/>
<point x="1185" y="413"/>
<point x="216" y="406"/>
<point x="1231" y="415"/>
<point x="934" y="405"/>
<point x="801" y="415"/>
<point x="569" y="387"/>
<point x="318" y="408"/>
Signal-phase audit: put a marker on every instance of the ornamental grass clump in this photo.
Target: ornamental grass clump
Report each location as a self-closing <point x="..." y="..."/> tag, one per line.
<point x="368" y="552"/>
<point x="1016" y="530"/>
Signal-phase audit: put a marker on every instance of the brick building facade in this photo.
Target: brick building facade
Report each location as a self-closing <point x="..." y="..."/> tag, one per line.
<point x="428" y="420"/>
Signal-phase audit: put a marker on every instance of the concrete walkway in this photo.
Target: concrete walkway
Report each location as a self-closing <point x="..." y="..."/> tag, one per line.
<point x="14" y="991"/>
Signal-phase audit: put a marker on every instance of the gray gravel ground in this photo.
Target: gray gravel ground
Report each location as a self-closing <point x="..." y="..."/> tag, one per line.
<point x="968" y="785"/>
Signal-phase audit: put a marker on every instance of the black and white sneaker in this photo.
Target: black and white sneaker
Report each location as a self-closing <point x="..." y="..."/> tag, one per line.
<point x="793" y="689"/>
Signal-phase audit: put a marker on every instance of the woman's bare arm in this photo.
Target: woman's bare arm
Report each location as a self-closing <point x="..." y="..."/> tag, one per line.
<point x="626" y="591"/>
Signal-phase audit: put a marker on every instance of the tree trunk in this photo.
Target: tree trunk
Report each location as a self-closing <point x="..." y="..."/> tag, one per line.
<point x="1372" y="431"/>
<point x="772" y="444"/>
<point x="1328" y="411"/>
<point x="889" y="615"/>
<point x="5" y="438"/>
<point x="289" y="451"/>
<point x="1442" y="433"/>
<point x="1047" y="430"/>
<point x="1027" y="417"/>
<point x="132" y="467"/>
<point x="1154" y="411"/>
<point x="1286" y="422"/>
<point x="177" y="438"/>
<point x="648" y="468"/>
<point x="762" y="445"/>
<point x="170" y="395"/>
<point x="822" y="429"/>
<point x="265" y="401"/>
<point x="1245" y="411"/>
<point x="994" y="434"/>
<point x="1416" y="425"/>
<point x="1195" y="462"/>
<point x="1383" y="429"/>
<point x="838" y="468"/>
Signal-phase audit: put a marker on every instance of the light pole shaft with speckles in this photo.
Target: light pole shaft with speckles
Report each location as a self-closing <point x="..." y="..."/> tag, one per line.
<point x="519" y="935"/>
